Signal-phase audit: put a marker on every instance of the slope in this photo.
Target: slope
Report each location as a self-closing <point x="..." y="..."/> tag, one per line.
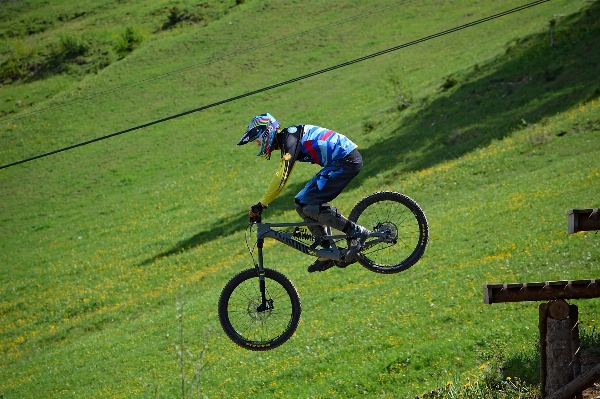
<point x="97" y="243"/>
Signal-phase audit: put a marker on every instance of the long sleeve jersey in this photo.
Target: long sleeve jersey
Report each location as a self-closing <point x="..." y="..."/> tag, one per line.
<point x="305" y="143"/>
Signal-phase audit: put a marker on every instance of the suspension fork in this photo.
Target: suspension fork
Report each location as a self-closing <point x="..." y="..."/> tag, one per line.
<point x="265" y="304"/>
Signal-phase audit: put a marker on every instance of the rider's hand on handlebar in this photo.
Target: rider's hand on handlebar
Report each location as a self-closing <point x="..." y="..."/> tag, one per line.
<point x="255" y="212"/>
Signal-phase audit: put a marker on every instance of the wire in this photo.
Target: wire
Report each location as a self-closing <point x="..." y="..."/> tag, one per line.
<point x="204" y="63"/>
<point x="251" y="250"/>
<point x="271" y="87"/>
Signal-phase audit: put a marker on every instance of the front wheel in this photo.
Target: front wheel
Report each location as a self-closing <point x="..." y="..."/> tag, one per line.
<point x="401" y="227"/>
<point x="255" y="324"/>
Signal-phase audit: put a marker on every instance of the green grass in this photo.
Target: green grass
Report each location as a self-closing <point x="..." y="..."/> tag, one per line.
<point x="97" y="243"/>
<point x="53" y="42"/>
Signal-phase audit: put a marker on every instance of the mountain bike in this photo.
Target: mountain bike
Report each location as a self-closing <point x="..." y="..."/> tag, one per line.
<point x="259" y="308"/>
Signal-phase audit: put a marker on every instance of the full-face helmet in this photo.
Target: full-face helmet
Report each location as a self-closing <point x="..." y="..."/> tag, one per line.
<point x="262" y="128"/>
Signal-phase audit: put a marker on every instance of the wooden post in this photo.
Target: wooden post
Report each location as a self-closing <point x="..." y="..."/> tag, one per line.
<point x="559" y="346"/>
<point x="559" y="366"/>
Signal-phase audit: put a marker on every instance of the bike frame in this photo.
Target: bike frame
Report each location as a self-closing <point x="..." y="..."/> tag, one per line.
<point x="265" y="230"/>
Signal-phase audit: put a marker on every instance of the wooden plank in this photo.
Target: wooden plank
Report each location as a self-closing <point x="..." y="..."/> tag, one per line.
<point x="582" y="282"/>
<point x="514" y="285"/>
<point x="560" y="283"/>
<point x="541" y="291"/>
<point x="538" y="284"/>
<point x="583" y="220"/>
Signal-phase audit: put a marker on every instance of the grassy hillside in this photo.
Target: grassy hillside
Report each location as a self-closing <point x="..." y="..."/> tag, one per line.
<point x="97" y="243"/>
<point x="46" y="48"/>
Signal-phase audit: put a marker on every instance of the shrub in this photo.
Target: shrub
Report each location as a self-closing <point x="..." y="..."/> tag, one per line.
<point x="369" y="125"/>
<point x="129" y="41"/>
<point x="10" y="70"/>
<point x="449" y="82"/>
<point x="15" y="67"/>
<point x="71" y="46"/>
<point x="175" y="15"/>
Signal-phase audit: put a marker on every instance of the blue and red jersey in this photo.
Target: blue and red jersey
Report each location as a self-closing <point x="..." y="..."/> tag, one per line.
<point x="306" y="143"/>
<point x="323" y="146"/>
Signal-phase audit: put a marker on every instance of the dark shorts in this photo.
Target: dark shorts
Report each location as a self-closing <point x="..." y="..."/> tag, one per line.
<point x="331" y="180"/>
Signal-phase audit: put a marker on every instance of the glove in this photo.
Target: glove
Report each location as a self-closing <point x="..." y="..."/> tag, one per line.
<point x="256" y="210"/>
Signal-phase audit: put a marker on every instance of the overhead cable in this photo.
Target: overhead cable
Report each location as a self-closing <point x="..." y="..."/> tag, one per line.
<point x="200" y="64"/>
<point x="271" y="87"/>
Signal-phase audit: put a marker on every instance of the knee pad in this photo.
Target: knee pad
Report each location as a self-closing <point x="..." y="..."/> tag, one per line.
<point x="317" y="231"/>
<point x="310" y="211"/>
<point x="300" y="211"/>
<point x="326" y="214"/>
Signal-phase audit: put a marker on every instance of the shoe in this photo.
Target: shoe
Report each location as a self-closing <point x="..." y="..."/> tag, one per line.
<point x="320" y="265"/>
<point x="358" y="237"/>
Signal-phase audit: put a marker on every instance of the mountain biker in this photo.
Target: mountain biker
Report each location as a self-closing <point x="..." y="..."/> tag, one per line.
<point x="338" y="157"/>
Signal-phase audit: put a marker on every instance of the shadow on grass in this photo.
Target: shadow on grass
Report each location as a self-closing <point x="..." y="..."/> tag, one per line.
<point x="527" y="84"/>
<point x="524" y="366"/>
<point x="225" y="227"/>
<point x="219" y="229"/>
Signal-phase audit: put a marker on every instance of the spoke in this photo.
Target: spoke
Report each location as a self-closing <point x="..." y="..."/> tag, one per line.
<point x="404" y="216"/>
<point x="281" y="315"/>
<point x="380" y="249"/>
<point x="278" y="292"/>
<point x="242" y="292"/>
<point x="391" y="209"/>
<point x="240" y="318"/>
<point x="279" y="333"/>
<point x="249" y="323"/>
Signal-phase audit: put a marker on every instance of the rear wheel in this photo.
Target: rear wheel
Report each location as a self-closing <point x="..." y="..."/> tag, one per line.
<point x="403" y="225"/>
<point x="250" y="324"/>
